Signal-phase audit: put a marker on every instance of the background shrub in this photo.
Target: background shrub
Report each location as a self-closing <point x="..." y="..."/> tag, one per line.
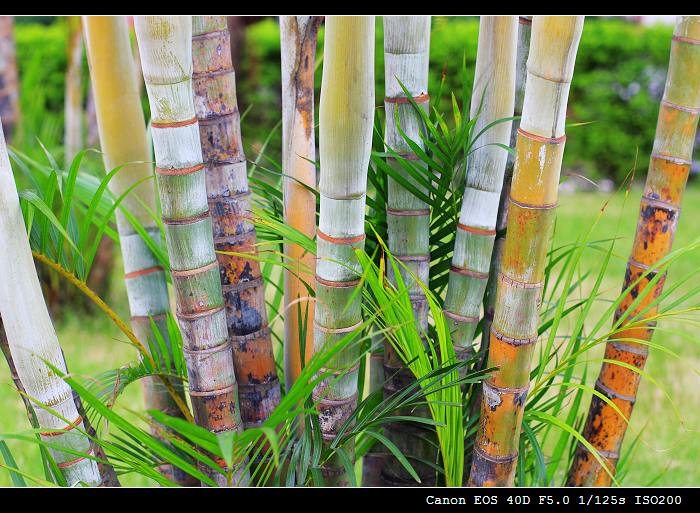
<point x="614" y="101"/>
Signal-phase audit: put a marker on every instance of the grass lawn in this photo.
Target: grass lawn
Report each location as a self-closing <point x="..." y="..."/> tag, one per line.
<point x="669" y="448"/>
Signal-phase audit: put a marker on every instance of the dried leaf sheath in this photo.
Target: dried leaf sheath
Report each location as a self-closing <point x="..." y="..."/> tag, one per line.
<point x="229" y="203"/>
<point x="166" y="58"/>
<point x="298" y="36"/>
<point x="533" y="199"/>
<point x="406" y="56"/>
<point x="345" y="137"/>
<point x="123" y="140"/>
<point x="32" y="339"/>
<point x="658" y="219"/>
<point x="493" y="99"/>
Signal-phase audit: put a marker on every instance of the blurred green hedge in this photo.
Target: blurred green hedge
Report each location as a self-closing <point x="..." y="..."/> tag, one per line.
<point x="618" y="82"/>
<point x="41" y="61"/>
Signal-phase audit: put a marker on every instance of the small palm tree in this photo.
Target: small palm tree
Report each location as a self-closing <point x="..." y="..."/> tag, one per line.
<point x="524" y="29"/>
<point x="493" y="98"/>
<point x="406" y="57"/>
<point x="73" y="126"/>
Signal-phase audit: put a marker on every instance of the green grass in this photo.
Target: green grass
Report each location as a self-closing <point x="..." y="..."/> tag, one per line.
<point x="667" y="450"/>
<point x="92" y="344"/>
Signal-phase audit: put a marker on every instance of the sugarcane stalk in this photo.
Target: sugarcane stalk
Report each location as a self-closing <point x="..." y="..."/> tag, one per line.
<point x="345" y="137"/>
<point x="298" y="36"/>
<point x="229" y="203"/>
<point x="33" y="343"/>
<point x="670" y="163"/>
<point x="9" y="87"/>
<point x="406" y="56"/>
<point x="122" y="132"/>
<point x="524" y="29"/>
<point x="533" y="199"/>
<point x="73" y="109"/>
<point x="166" y="58"/>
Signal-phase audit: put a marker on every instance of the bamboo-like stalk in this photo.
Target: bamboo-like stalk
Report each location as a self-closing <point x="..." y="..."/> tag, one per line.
<point x="669" y="166"/>
<point x="9" y="86"/>
<point x="166" y="58"/>
<point x="524" y="29"/>
<point x="229" y="203"/>
<point x="406" y="57"/>
<point x="33" y="342"/>
<point x="73" y="109"/>
<point x="298" y="36"/>
<point x="533" y="198"/>
<point x="122" y="133"/>
<point x="493" y="98"/>
<point x="345" y="136"/>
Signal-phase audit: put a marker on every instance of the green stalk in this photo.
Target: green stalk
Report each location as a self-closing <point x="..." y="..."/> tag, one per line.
<point x="406" y="58"/>
<point x="533" y="199"/>
<point x="345" y="136"/>
<point x="166" y="59"/>
<point x="493" y="99"/>
<point x="234" y="234"/>
<point x="122" y="132"/>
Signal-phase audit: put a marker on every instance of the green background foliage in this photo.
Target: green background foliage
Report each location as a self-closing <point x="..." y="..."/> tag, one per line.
<point x="618" y="82"/>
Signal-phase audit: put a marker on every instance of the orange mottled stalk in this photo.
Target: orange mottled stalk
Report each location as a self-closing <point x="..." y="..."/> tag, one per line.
<point x="533" y="199"/>
<point x="658" y="218"/>
<point x="298" y="44"/>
